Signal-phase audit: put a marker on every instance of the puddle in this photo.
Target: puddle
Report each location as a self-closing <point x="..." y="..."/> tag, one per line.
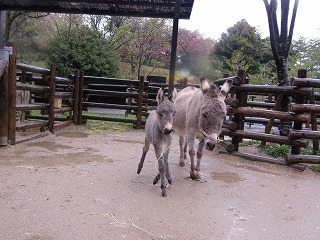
<point x="255" y="169"/>
<point x="73" y="134"/>
<point x="128" y="141"/>
<point x="227" y="177"/>
<point x="51" y="146"/>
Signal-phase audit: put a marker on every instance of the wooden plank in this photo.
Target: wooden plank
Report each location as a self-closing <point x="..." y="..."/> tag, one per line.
<point x="295" y="158"/>
<point x="33" y="69"/>
<point x="26" y="126"/>
<point x="32" y="106"/>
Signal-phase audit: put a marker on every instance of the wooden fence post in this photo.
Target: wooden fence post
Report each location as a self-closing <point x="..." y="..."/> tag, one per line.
<point x="3" y="103"/>
<point x="76" y="97"/>
<point x="299" y="99"/>
<point x="81" y="79"/>
<point x="52" y="91"/>
<point x="12" y="95"/>
<point x="140" y="100"/>
<point x="239" y="118"/>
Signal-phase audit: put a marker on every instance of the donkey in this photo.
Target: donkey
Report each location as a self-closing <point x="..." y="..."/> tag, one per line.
<point x="200" y="114"/>
<point x="158" y="132"/>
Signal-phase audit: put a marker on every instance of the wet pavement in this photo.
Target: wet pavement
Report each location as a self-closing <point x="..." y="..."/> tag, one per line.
<point x="80" y="185"/>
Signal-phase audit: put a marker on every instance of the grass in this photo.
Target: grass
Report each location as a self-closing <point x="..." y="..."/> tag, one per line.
<point x="249" y="143"/>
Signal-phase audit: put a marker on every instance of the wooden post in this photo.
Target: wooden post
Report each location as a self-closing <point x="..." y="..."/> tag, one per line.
<point x="76" y="97"/>
<point x="299" y="99"/>
<point x="52" y="90"/>
<point x="140" y="99"/>
<point x="80" y="97"/>
<point x="239" y="118"/>
<point x="3" y="103"/>
<point x="12" y="95"/>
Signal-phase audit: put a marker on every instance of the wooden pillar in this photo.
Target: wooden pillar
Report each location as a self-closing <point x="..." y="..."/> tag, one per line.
<point x="174" y="43"/>
<point x="2" y="29"/>
<point x="3" y="103"/>
<point x="239" y="118"/>
<point x="76" y="97"/>
<point x="299" y="99"/>
<point x="140" y="100"/>
<point x="52" y="91"/>
<point x="81" y="80"/>
<point x="12" y="95"/>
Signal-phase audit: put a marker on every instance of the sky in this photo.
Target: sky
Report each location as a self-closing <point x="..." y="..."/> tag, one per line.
<point x="213" y="17"/>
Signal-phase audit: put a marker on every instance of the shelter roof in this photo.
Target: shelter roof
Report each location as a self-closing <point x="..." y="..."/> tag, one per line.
<point x="137" y="8"/>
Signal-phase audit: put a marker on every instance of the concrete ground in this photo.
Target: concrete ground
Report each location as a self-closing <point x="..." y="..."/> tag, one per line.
<point x="80" y="185"/>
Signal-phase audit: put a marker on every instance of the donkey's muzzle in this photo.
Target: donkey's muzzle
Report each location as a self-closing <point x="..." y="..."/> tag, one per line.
<point x="210" y="146"/>
<point x="167" y="131"/>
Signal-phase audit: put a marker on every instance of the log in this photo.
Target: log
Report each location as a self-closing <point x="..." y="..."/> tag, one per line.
<point x="271" y="114"/>
<point x="33" y="106"/>
<point x="112" y="93"/>
<point x="311" y="159"/>
<point x="260" y="104"/>
<point x="4" y="107"/>
<point x="306" y="82"/>
<point x="226" y="145"/>
<point x="262" y="121"/>
<point x="298" y="108"/>
<point x="308" y="134"/>
<point x="265" y="137"/>
<point x="112" y="106"/>
<point x="32" y="138"/>
<point x="236" y="80"/>
<point x="232" y="102"/>
<point x="62" y="124"/>
<point x="52" y="87"/>
<point x="12" y="95"/>
<point x="32" y="88"/>
<point x="25" y="126"/>
<point x="91" y="79"/>
<point x="58" y="110"/>
<point x="33" y="69"/>
<point x="230" y="125"/>
<point x="63" y="95"/>
<point x="111" y="119"/>
<point x="258" y="158"/>
<point x="265" y="89"/>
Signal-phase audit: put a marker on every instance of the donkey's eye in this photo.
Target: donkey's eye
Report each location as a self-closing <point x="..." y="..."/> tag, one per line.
<point x="173" y="114"/>
<point x="160" y="114"/>
<point x="204" y="115"/>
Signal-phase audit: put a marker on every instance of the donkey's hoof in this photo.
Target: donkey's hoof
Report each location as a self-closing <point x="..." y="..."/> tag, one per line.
<point x="156" y="179"/>
<point x="164" y="191"/>
<point x="195" y="175"/>
<point x="169" y="180"/>
<point x="139" y="170"/>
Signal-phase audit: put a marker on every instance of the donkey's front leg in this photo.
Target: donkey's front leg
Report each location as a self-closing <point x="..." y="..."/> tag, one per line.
<point x="193" y="172"/>
<point x="199" y="156"/>
<point x="144" y="153"/>
<point x="166" y="162"/>
<point x="162" y="171"/>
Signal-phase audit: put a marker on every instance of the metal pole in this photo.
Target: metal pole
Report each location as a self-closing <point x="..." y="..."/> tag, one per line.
<point x="174" y="43"/>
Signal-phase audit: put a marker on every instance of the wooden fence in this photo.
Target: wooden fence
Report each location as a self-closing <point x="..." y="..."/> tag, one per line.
<point x="63" y="101"/>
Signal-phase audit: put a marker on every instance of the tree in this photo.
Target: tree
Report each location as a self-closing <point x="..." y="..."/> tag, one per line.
<point x="193" y="51"/>
<point x="239" y="48"/>
<point x="85" y="49"/>
<point x="144" y="41"/>
<point x="280" y="40"/>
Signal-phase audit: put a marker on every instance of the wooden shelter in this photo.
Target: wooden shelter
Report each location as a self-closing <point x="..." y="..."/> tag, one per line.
<point x="174" y="9"/>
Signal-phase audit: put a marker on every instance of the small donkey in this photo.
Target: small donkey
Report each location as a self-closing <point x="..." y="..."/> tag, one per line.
<point x="158" y="132"/>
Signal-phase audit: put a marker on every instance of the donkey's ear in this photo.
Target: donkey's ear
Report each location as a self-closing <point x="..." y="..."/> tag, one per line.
<point x="173" y="95"/>
<point x="204" y="84"/>
<point x="226" y="87"/>
<point x="160" y="96"/>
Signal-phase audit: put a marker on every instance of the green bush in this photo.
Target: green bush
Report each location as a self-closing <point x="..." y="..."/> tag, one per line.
<point x="83" y="49"/>
<point x="276" y="150"/>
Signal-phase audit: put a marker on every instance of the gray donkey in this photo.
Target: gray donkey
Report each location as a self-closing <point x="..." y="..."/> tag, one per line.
<point x="158" y="132"/>
<point x="200" y="114"/>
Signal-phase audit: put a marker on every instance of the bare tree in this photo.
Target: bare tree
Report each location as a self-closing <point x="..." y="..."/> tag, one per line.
<point x="281" y="40"/>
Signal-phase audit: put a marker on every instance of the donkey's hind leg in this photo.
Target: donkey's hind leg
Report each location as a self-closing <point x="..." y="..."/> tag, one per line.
<point x="182" y="144"/>
<point x="144" y="153"/>
<point x="168" y="174"/>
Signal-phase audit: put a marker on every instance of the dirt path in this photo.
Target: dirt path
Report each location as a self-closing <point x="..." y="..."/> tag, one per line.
<point x="75" y="185"/>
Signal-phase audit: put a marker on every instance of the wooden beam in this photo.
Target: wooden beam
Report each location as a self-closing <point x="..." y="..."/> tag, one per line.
<point x="294" y="158"/>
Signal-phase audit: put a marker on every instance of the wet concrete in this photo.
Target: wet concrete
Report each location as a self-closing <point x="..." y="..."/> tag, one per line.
<point x="76" y="185"/>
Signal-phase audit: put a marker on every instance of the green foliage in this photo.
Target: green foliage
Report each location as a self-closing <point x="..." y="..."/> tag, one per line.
<point x="85" y="49"/>
<point x="276" y="150"/>
<point x="239" y="48"/>
<point x="249" y="143"/>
